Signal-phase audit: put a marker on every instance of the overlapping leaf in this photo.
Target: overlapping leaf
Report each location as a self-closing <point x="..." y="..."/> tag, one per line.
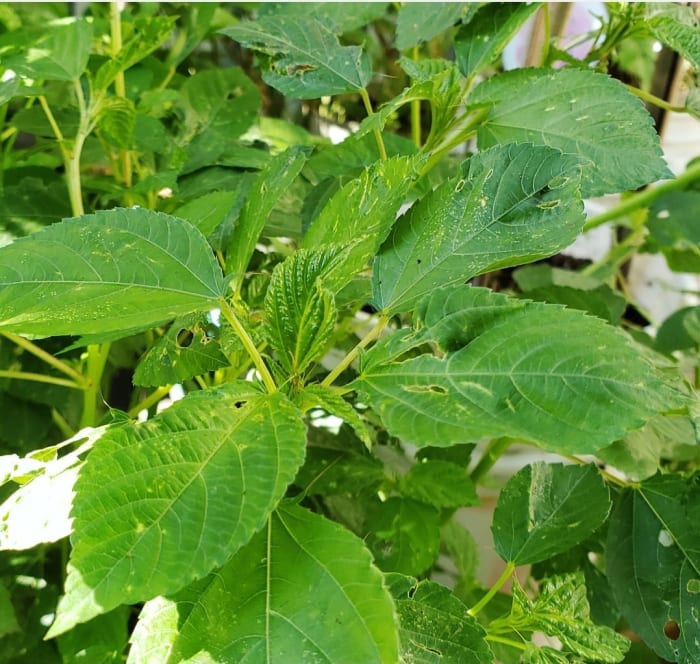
<point x="303" y="590"/>
<point x="653" y="564"/>
<point x="162" y="503"/>
<point x="345" y="16"/>
<point x="546" y="509"/>
<point x="374" y="198"/>
<point x="435" y="626"/>
<point x="607" y="125"/>
<point x="267" y="189"/>
<point x="508" y="367"/>
<point x="412" y="27"/>
<point x="512" y="204"/>
<point x="304" y="59"/>
<point x="120" y="269"/>
<point x="677" y="27"/>
<point x="483" y="38"/>
<point x="300" y="312"/>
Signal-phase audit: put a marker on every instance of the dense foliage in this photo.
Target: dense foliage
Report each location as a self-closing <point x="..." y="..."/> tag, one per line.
<point x="355" y="348"/>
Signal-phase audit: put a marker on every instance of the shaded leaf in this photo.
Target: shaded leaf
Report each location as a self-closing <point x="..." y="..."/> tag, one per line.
<point x="374" y="198"/>
<point x="561" y="610"/>
<point x="653" y="564"/>
<point x="303" y="57"/>
<point x="300" y="312"/>
<point x="677" y="27"/>
<point x="513" y="204"/>
<point x="573" y="289"/>
<point x="421" y="21"/>
<point x="439" y="483"/>
<point x="608" y="126"/>
<point x="545" y="509"/>
<point x="303" y="590"/>
<point x="435" y="626"/>
<point x="60" y="55"/>
<point x="511" y="368"/>
<point x="99" y="641"/>
<point x="116" y="121"/>
<point x="121" y="269"/>
<point x="403" y="535"/>
<point x="679" y="331"/>
<point x="462" y="549"/>
<point x="162" y="503"/>
<point x="345" y="16"/>
<point x="264" y="193"/>
<point x="481" y="40"/>
<point x="674" y="230"/>
<point x="189" y="348"/>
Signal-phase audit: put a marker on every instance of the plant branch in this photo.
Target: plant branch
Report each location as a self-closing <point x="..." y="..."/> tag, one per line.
<point x="493" y="590"/>
<point x="96" y="360"/>
<point x="506" y="642"/>
<point x="41" y="378"/>
<point x="147" y="402"/>
<point x="352" y="355"/>
<point x="377" y="134"/>
<point x="644" y="198"/>
<point x="657" y="101"/>
<point x="248" y="344"/>
<point x="46" y="357"/>
<point x="492" y="453"/>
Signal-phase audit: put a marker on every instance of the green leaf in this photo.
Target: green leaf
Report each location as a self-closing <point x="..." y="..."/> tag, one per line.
<point x="221" y="102"/>
<point x="674" y="231"/>
<point x="267" y="189"/>
<point x="142" y="36"/>
<point x="162" y="503"/>
<point x="561" y="610"/>
<point x="116" y="121"/>
<point x="121" y="269"/>
<point x="481" y="40"/>
<point x="421" y="21"/>
<point x="100" y="641"/>
<point x="640" y="453"/>
<point x="439" y="483"/>
<point x="8" y="89"/>
<point x="300" y="312"/>
<point x="653" y="564"/>
<point x="607" y="125"/>
<point x="303" y="57"/>
<point x="403" y="535"/>
<point x="677" y="27"/>
<point x="575" y="290"/>
<point x="345" y="16"/>
<point x="463" y="550"/>
<point x="435" y="626"/>
<point x="189" y="348"/>
<point x="679" y="331"/>
<point x="60" y="55"/>
<point x="512" y="204"/>
<point x="546" y="509"/>
<point x="303" y="590"/>
<point x="8" y="618"/>
<point x="553" y="376"/>
<point x="374" y="198"/>
<point x="320" y="396"/>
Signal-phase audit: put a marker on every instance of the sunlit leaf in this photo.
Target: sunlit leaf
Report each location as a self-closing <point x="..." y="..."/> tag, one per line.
<point x="304" y="59"/>
<point x="303" y="590"/>
<point x="512" y="204"/>
<point x="121" y="269"/>
<point x="162" y="503"/>
<point x="607" y="126"/>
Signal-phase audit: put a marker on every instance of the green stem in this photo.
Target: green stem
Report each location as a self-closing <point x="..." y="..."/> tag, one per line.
<point x="153" y="398"/>
<point x="507" y="573"/>
<point x="657" y="101"/>
<point x="352" y="355"/>
<point x="62" y="424"/>
<point x="377" y="134"/>
<point x="46" y="357"/>
<point x="492" y="453"/>
<point x="415" y="111"/>
<point x="120" y="86"/>
<point x="96" y="361"/>
<point x="506" y="642"/>
<point x="644" y="198"/>
<point x="546" y="33"/>
<point x="41" y="378"/>
<point x="248" y="344"/>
